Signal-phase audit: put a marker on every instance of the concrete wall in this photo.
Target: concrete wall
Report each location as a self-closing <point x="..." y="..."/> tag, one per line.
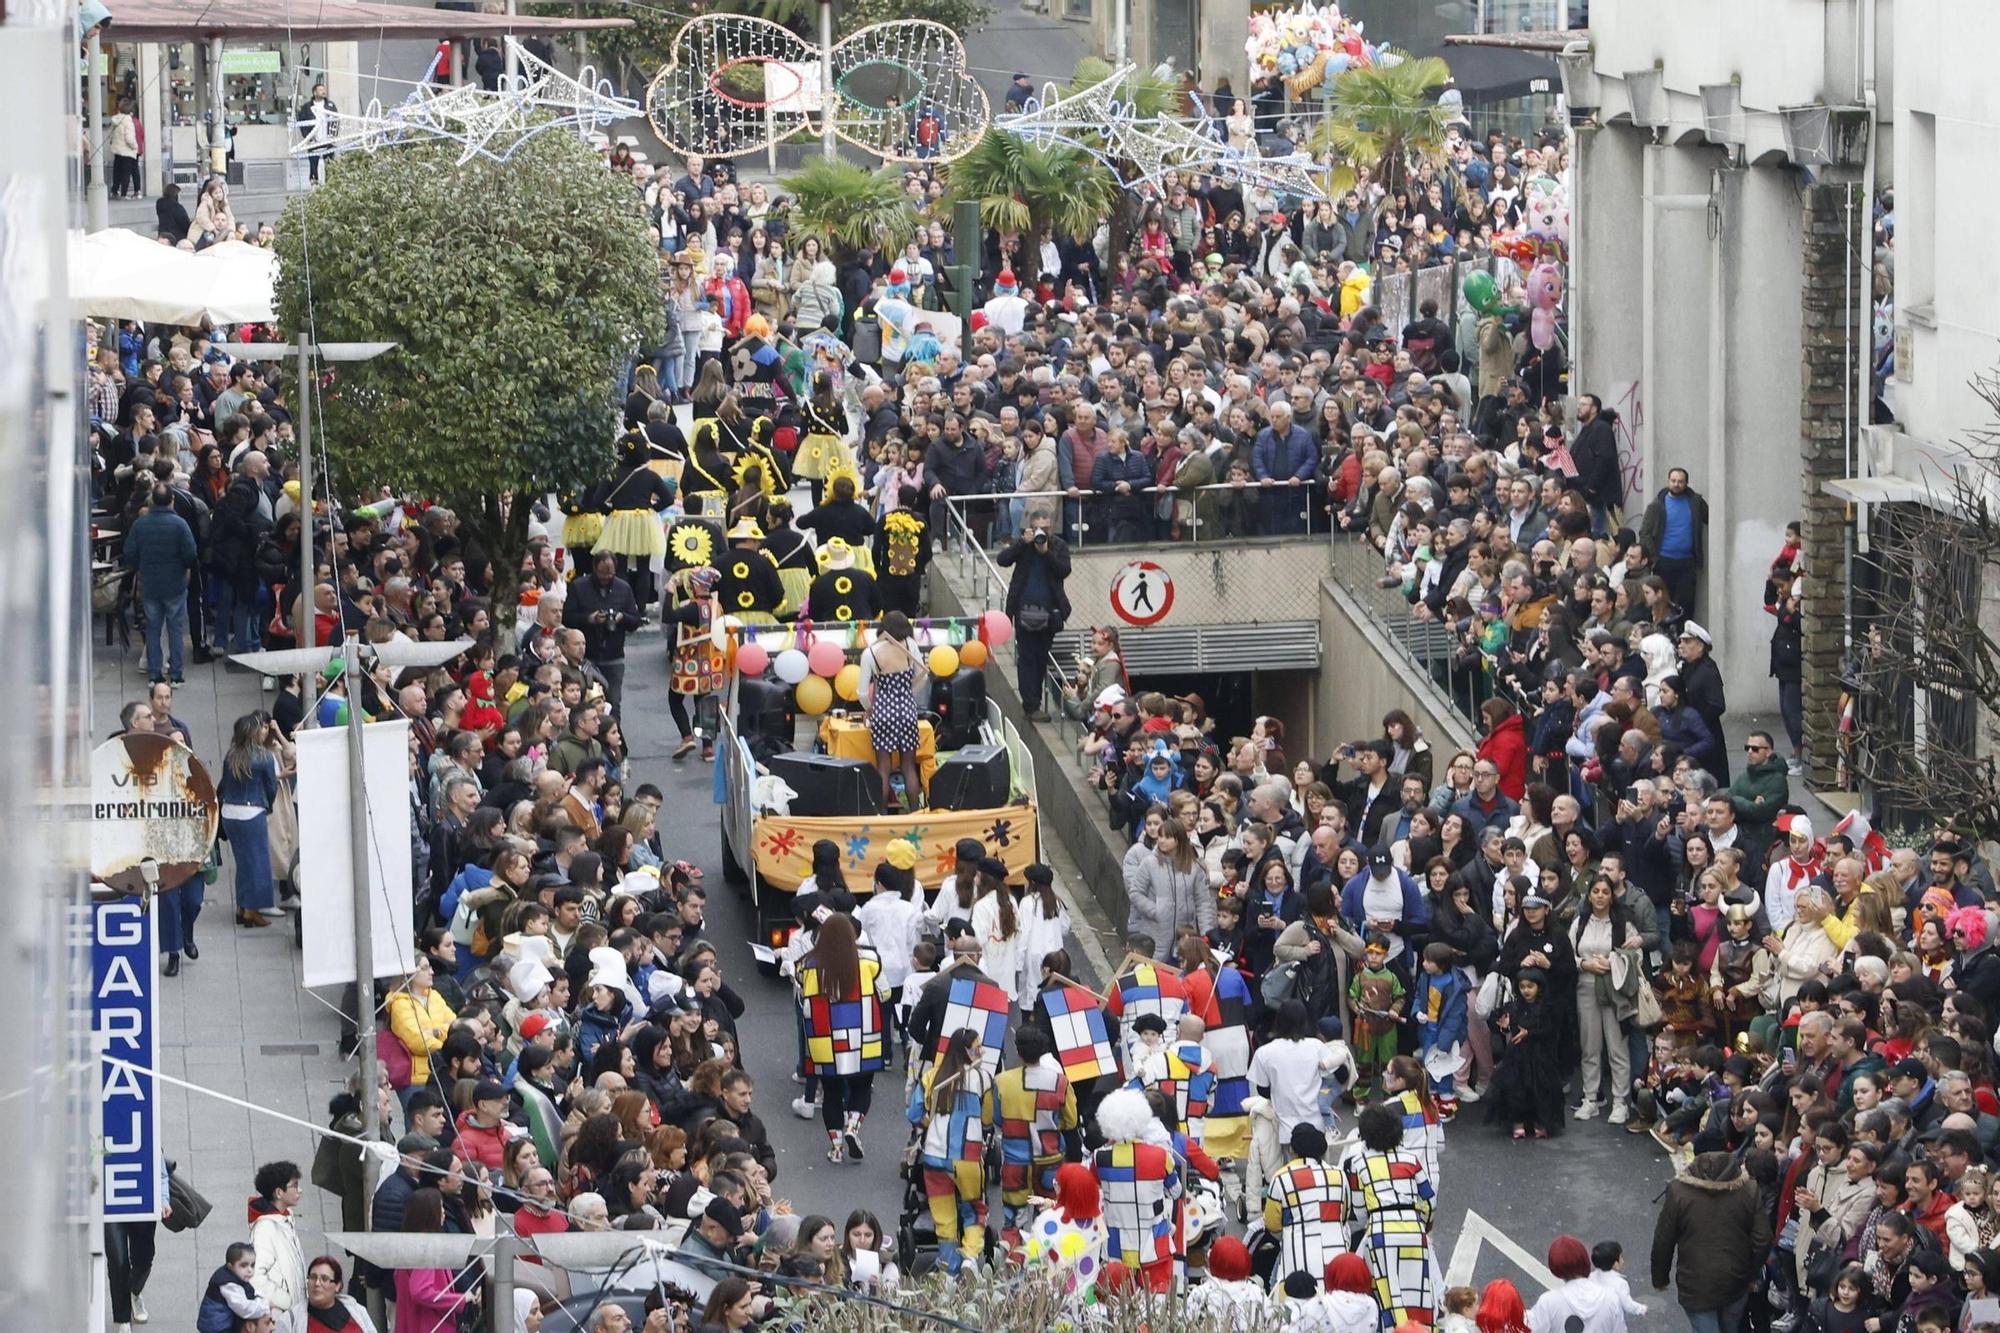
<point x="1218" y="584"/>
<point x="1944" y="130"/>
<point x="1363" y="677"/>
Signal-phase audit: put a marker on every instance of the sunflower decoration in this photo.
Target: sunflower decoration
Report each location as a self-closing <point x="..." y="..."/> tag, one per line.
<point x="902" y="534"/>
<point x="691" y="543"/>
<point x="844" y="468"/>
<point x="766" y="482"/>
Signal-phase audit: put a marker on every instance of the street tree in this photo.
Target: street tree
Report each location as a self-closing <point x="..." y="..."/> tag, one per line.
<point x="516" y="291"/>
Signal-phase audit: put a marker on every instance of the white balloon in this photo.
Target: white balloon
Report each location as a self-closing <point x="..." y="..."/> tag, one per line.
<point x="792" y="666"/>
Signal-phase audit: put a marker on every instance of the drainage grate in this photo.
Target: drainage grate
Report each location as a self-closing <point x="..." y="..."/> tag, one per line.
<point x="291" y="1048"/>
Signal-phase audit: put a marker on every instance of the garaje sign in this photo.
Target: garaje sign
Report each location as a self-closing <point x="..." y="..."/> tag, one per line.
<point x="150" y="800"/>
<point x="125" y="1026"/>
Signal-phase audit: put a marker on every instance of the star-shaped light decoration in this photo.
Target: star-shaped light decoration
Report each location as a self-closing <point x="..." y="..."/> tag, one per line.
<point x="484" y="123"/>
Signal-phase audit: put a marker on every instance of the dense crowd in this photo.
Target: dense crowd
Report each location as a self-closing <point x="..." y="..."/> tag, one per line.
<point x="1594" y="913"/>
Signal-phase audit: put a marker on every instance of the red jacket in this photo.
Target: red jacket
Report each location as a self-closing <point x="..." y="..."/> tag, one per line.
<point x="1507" y="747"/>
<point x="735" y="310"/>
<point x="478" y="1144"/>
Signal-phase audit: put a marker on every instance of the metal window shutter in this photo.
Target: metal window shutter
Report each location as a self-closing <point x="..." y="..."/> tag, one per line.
<point x="1281" y="645"/>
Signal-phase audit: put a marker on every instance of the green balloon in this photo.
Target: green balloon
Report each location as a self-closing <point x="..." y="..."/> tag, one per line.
<point x="1480" y="292"/>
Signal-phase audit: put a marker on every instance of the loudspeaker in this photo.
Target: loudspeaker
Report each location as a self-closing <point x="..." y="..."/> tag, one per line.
<point x="976" y="778"/>
<point x="827" y="786"/>
<point x="763" y="708"/>
<point x="960" y="705"/>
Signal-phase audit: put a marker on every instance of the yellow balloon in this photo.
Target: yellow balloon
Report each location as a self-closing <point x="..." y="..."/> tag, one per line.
<point x="944" y="660"/>
<point x="973" y="654"/>
<point x="847" y="684"/>
<point x="815" y="696"/>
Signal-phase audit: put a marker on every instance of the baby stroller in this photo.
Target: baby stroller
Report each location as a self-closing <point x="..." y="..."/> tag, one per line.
<point x="916" y="1234"/>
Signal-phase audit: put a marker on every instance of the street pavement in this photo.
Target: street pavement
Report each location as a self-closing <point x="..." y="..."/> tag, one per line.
<point x="237" y="1022"/>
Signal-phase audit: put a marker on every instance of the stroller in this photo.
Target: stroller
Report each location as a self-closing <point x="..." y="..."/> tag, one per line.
<point x="916" y="1233"/>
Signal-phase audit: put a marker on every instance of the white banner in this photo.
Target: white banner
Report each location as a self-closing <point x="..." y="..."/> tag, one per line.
<point x="326" y="866"/>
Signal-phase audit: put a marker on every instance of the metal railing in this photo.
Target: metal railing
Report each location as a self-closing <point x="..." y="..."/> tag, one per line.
<point x="1172" y="515"/>
<point x="1437" y="649"/>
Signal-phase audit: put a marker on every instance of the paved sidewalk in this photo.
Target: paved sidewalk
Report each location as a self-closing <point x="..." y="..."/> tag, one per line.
<point x="236" y="1022"/>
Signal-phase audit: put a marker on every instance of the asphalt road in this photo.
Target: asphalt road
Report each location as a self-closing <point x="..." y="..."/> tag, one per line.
<point x="1595" y="1181"/>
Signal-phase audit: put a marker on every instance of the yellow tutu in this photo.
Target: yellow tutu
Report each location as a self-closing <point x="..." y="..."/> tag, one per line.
<point x="582" y="529"/>
<point x="821" y="455"/>
<point x="633" y="532"/>
<point x="797" y="584"/>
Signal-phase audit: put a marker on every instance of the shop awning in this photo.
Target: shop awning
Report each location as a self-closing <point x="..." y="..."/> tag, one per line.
<point x="1486" y="73"/>
<point x="322" y="20"/>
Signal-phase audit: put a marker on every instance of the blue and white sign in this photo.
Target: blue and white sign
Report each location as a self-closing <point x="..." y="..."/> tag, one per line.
<point x="125" y="1026"/>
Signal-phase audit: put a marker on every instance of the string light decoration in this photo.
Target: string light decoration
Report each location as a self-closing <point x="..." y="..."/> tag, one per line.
<point x="736" y="84"/>
<point x="1144" y="150"/>
<point x="492" y="124"/>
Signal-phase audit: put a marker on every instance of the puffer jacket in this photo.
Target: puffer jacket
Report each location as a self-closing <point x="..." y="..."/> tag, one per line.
<point x="1712" y="1233"/>
<point x="1162" y="898"/>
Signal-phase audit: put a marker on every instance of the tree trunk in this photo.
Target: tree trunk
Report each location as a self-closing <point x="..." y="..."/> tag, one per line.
<point x="502" y="528"/>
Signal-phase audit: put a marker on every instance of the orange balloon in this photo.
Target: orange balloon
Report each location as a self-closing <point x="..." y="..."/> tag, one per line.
<point x="972" y="653"/>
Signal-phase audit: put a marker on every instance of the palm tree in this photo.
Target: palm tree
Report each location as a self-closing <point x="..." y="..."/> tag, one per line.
<point x="1382" y="114"/>
<point x="1022" y="187"/>
<point x="849" y="207"/>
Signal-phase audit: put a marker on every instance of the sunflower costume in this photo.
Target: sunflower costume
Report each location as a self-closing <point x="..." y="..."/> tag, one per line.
<point x="633" y="503"/>
<point x="583" y="520"/>
<point x="750" y="588"/>
<point x="823" y="447"/>
<point x="692" y="543"/>
<point x="707" y="475"/>
<point x="842" y="592"/>
<point x="792" y="551"/>
<point x="902" y="549"/>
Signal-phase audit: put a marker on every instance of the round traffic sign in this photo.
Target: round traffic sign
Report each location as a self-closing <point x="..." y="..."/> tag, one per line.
<point x="1142" y="593"/>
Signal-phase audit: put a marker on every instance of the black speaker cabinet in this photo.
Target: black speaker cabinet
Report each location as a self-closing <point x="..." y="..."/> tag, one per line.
<point x="827" y="786"/>
<point x="960" y="705"/>
<point x="976" y="778"/>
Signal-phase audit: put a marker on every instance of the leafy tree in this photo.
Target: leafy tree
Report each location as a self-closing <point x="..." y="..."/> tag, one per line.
<point x="516" y="291"/>
<point x="1382" y="114"/>
<point x="850" y="207"/>
<point x="1021" y="186"/>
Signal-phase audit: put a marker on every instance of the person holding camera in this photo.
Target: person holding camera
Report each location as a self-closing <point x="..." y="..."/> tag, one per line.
<point x="1036" y="603"/>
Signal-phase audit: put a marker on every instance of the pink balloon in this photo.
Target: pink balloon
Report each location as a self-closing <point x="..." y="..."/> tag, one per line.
<point x="826" y="658"/>
<point x="751" y="659"/>
<point x="998" y="628"/>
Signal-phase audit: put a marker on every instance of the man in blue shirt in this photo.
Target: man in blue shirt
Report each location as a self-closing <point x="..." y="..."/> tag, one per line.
<point x="1675" y="531"/>
<point x="1282" y="461"/>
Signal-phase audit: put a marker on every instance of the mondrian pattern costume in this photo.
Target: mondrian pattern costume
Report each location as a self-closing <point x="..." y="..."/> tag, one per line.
<point x="1305" y="1206"/>
<point x="982" y="1006"/>
<point x="1393" y="1196"/>
<point x="1076" y="1025"/>
<point x="1037" y="1112"/>
<point x="1423" y="1130"/>
<point x="952" y="1155"/>
<point x="1227" y="1133"/>
<point x="1184" y="1071"/>
<point x="1142" y="1188"/>
<point x="842" y="1037"/>
<point x="1145" y="989"/>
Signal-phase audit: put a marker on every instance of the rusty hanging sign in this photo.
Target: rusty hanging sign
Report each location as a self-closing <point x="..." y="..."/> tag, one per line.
<point x="150" y="800"/>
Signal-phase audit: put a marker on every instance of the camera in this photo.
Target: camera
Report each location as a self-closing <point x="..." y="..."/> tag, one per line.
<point x="1677" y="805"/>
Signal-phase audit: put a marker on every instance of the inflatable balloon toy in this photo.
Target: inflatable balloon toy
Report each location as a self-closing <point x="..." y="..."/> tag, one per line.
<point x="1480" y="291"/>
<point x="1545" y="216"/>
<point x="1545" y="289"/>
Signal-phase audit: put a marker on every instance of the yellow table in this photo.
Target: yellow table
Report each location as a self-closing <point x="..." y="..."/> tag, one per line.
<point x="847" y="738"/>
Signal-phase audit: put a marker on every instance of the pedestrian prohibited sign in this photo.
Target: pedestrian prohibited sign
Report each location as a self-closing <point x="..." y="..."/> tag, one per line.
<point x="1142" y="593"/>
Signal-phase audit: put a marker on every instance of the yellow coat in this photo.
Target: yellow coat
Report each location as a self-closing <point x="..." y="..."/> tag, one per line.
<point x="421" y="1026"/>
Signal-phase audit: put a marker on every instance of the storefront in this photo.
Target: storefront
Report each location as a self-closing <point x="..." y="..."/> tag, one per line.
<point x="168" y="82"/>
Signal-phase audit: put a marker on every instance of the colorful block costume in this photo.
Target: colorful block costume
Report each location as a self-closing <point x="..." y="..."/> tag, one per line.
<point x="1142" y="1189"/>
<point x="1305" y="1206"/>
<point x="1037" y="1110"/>
<point x="1145" y="989"/>
<point x="842" y="1037"/>
<point x="1185" y="1071"/>
<point x="952" y="1153"/>
<point x="1394" y="1197"/>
